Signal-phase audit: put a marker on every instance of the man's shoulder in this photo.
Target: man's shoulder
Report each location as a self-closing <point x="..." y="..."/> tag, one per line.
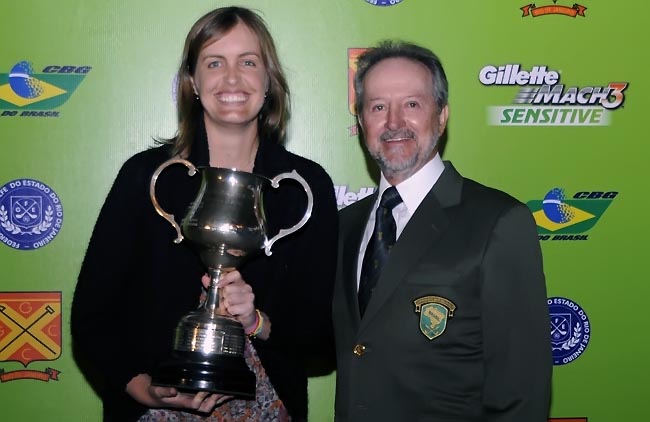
<point x="475" y="192"/>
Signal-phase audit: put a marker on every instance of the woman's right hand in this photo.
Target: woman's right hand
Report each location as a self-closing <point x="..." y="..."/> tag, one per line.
<point x="236" y="297"/>
<point x="142" y="391"/>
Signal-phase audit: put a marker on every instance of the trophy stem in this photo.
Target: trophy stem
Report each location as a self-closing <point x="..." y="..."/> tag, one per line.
<point x="212" y="300"/>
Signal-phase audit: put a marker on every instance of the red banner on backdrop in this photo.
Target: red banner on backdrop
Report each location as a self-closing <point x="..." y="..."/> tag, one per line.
<point x="573" y="11"/>
<point x="48" y="374"/>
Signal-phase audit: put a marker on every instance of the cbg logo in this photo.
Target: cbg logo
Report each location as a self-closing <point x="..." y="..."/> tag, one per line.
<point x="28" y="94"/>
<point x="570" y="330"/>
<point x="543" y="101"/>
<point x="559" y="218"/>
<point x="31" y="214"/>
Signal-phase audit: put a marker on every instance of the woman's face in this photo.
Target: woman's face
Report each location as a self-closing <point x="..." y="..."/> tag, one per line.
<point x="231" y="79"/>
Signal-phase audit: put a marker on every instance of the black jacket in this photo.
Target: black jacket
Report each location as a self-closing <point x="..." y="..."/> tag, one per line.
<point x="135" y="284"/>
<point x="457" y="327"/>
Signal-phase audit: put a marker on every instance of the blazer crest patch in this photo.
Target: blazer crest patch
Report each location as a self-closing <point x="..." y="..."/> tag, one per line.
<point x="434" y="312"/>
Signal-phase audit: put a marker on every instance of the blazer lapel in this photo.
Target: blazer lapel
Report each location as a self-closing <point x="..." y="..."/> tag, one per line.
<point x="421" y="233"/>
<point x="350" y="254"/>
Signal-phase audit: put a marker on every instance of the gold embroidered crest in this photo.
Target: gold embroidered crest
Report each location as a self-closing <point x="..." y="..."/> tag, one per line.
<point x="434" y="312"/>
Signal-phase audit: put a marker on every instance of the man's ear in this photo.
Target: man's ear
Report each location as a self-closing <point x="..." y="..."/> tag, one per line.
<point x="360" y="125"/>
<point x="442" y="118"/>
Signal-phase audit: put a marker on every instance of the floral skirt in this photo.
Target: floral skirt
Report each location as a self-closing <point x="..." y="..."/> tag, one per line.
<point x="266" y="407"/>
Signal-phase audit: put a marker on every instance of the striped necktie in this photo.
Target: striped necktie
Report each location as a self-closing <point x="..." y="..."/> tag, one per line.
<point x="382" y="240"/>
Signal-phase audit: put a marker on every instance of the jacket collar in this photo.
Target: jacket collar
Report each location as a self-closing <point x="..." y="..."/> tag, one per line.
<point x="421" y="233"/>
<point x="270" y="160"/>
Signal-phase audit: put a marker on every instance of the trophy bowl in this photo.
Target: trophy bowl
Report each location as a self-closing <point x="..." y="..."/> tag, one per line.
<point x="226" y="224"/>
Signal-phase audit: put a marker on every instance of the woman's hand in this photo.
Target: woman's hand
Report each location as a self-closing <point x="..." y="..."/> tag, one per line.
<point x="142" y="391"/>
<point x="236" y="298"/>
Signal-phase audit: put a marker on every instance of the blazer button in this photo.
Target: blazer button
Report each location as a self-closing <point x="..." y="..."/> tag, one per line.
<point x="359" y="349"/>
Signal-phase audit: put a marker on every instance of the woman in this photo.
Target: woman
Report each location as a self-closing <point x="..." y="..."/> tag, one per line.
<point x="135" y="284"/>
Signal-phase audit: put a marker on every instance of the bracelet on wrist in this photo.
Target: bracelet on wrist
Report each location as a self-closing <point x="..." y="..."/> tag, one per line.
<point x="257" y="327"/>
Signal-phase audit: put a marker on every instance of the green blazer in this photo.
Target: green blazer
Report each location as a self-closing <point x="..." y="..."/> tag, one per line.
<point x="458" y="326"/>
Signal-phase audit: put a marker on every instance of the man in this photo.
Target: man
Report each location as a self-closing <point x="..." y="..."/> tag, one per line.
<point x="450" y="323"/>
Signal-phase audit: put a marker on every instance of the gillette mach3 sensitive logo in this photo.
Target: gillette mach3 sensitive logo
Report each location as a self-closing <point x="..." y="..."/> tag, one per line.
<point x="28" y="92"/>
<point x="562" y="217"/>
<point x="345" y="196"/>
<point x="543" y="100"/>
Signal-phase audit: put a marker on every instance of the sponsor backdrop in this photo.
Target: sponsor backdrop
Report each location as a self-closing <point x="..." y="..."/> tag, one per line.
<point x="546" y="103"/>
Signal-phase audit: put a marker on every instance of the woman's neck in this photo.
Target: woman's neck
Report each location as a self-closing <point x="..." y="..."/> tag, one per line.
<point x="233" y="148"/>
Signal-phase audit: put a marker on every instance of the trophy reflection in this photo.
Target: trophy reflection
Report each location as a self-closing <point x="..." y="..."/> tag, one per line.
<point x="226" y="223"/>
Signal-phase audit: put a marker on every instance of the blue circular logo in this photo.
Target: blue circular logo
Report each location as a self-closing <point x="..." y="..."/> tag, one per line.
<point x="22" y="82"/>
<point x="555" y="208"/>
<point x="570" y="330"/>
<point x="384" y="2"/>
<point x="31" y="214"/>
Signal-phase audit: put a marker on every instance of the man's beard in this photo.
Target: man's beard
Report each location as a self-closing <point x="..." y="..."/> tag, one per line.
<point x="392" y="167"/>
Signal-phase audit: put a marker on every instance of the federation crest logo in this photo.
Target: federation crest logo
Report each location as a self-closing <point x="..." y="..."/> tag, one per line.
<point x="570" y="330"/>
<point x="31" y="214"/>
<point x="434" y="313"/>
<point x="26" y="93"/>
<point x="30" y="331"/>
<point x="535" y="11"/>
<point x="562" y="218"/>
<point x="384" y="2"/>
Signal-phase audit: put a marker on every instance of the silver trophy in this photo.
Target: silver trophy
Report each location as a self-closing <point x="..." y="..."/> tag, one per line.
<point x="226" y="223"/>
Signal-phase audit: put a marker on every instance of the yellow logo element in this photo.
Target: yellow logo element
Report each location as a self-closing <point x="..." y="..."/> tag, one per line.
<point x="49" y="91"/>
<point x="578" y="217"/>
<point x="30" y="326"/>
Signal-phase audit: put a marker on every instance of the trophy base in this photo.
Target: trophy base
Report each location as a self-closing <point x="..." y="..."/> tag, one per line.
<point x="226" y="375"/>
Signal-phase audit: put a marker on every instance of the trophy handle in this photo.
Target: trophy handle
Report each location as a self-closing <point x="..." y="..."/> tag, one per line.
<point x="310" y="205"/>
<point x="152" y="192"/>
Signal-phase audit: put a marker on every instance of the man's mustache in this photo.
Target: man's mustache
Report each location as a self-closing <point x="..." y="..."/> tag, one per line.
<point x="397" y="134"/>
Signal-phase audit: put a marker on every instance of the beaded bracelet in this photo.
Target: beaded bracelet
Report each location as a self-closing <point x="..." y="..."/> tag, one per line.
<point x="259" y="323"/>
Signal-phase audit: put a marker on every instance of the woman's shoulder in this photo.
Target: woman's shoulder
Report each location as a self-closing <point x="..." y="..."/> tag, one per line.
<point x="154" y="155"/>
<point x="145" y="162"/>
<point x="307" y="168"/>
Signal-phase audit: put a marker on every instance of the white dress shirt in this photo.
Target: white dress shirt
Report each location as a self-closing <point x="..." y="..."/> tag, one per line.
<point x="412" y="191"/>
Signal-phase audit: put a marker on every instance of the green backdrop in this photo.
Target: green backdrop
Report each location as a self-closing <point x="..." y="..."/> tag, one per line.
<point x="545" y="103"/>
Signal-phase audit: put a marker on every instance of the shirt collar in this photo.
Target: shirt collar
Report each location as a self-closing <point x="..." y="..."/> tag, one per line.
<point x="415" y="188"/>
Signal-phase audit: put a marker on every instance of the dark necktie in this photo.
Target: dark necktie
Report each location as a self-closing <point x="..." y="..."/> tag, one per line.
<point x="382" y="240"/>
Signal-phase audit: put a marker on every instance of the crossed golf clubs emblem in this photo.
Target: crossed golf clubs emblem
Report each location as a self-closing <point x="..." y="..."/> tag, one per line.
<point x="26" y="210"/>
<point x="25" y="330"/>
<point x="559" y="327"/>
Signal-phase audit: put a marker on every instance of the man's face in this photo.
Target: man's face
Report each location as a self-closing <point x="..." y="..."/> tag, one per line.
<point x="400" y="120"/>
